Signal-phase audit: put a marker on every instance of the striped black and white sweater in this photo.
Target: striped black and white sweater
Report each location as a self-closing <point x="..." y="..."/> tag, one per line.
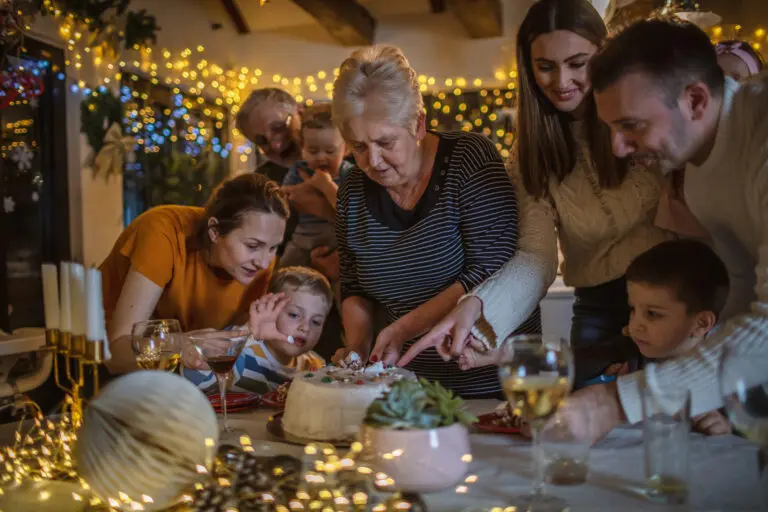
<point x="463" y="229"/>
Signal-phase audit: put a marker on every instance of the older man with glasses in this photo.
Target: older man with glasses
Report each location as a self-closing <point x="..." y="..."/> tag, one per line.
<point x="270" y="118"/>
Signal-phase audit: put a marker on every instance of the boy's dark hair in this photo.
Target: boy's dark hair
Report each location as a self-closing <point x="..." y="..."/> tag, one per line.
<point x="302" y="278"/>
<point x="673" y="54"/>
<point x="690" y="268"/>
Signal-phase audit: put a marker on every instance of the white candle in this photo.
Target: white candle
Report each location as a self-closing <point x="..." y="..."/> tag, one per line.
<point x="94" y="309"/>
<point x="51" y="295"/>
<point x="65" y="318"/>
<point x="77" y="298"/>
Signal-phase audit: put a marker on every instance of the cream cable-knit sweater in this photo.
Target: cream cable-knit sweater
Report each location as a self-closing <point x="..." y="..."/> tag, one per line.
<point x="729" y="196"/>
<point x="601" y="231"/>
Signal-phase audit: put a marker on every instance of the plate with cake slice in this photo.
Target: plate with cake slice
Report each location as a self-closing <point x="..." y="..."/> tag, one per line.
<point x="499" y="421"/>
<point x="276" y="398"/>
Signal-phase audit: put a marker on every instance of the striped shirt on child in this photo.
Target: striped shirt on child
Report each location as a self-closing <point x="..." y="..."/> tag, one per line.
<point x="257" y="370"/>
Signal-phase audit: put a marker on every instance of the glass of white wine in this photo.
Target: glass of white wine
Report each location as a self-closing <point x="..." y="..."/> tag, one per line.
<point x="536" y="376"/>
<point x="157" y="344"/>
<point x="744" y="386"/>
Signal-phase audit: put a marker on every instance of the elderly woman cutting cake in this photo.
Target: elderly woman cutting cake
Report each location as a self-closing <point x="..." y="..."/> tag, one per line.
<point x="427" y="217"/>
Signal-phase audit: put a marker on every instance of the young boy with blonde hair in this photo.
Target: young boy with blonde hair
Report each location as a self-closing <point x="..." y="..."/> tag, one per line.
<point x="285" y="325"/>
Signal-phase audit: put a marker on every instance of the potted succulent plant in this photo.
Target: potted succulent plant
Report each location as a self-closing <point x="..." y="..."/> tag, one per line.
<point x="417" y="434"/>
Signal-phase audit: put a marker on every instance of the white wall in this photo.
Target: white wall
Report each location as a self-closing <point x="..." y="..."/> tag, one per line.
<point x="436" y="45"/>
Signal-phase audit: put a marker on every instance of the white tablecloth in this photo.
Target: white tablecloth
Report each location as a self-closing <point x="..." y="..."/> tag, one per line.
<point x="724" y="473"/>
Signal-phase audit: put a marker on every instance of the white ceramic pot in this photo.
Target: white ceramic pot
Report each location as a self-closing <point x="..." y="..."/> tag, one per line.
<point x="418" y="460"/>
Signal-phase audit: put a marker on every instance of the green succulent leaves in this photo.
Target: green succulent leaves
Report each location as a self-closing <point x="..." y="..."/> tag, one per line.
<point x="417" y="405"/>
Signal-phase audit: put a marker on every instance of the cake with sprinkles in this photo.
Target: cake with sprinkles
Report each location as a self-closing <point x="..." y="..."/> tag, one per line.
<point x="329" y="404"/>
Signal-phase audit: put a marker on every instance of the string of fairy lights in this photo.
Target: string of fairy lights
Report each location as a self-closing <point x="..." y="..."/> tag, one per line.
<point x="199" y="85"/>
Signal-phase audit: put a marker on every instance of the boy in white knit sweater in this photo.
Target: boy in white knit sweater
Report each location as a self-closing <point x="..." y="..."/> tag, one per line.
<point x="676" y="291"/>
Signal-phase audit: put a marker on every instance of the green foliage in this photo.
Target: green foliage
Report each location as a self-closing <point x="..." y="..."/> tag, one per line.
<point x="417" y="405"/>
<point x="101" y="17"/>
<point x="140" y="29"/>
<point x="179" y="178"/>
<point x="97" y="114"/>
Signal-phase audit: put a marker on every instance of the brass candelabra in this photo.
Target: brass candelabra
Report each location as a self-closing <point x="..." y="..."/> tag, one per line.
<point x="79" y="356"/>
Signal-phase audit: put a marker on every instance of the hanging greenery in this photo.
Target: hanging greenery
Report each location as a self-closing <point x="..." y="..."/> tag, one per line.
<point x="97" y="114"/>
<point x="178" y="178"/>
<point x="108" y="21"/>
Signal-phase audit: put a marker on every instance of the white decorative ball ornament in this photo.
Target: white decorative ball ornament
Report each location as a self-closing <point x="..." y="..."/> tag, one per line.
<point x="145" y="439"/>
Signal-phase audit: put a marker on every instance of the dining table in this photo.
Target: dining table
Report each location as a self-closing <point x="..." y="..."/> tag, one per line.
<point x="723" y="470"/>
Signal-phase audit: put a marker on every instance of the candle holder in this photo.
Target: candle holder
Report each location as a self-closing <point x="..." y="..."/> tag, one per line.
<point x="74" y="354"/>
<point x="94" y="357"/>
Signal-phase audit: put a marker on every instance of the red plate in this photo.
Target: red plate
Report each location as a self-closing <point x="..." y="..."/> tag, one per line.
<point x="236" y="402"/>
<point x="495" y="423"/>
<point x="276" y="397"/>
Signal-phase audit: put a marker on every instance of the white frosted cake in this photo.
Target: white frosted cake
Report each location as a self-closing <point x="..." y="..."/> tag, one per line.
<point x="330" y="404"/>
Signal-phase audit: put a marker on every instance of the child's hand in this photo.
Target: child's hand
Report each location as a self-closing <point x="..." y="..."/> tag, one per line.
<point x="617" y="369"/>
<point x="262" y="321"/>
<point x="318" y="180"/>
<point x="712" y="424"/>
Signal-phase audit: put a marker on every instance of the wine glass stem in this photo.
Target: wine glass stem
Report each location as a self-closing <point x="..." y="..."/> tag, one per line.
<point x="222" y="380"/>
<point x="537" y="489"/>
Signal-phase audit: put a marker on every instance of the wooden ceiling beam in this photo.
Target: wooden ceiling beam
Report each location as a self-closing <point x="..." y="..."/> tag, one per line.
<point x="236" y="15"/>
<point x="437" y="6"/>
<point x="481" y="18"/>
<point x="346" y="20"/>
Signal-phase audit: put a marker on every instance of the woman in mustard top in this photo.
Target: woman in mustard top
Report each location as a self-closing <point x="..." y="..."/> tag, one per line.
<point x="201" y="266"/>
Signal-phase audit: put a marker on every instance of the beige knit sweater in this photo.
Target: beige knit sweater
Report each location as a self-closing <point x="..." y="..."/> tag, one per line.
<point x="728" y="194"/>
<point x="600" y="231"/>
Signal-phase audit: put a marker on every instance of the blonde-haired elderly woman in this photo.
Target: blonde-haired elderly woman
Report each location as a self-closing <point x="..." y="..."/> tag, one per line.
<point x="427" y="217"/>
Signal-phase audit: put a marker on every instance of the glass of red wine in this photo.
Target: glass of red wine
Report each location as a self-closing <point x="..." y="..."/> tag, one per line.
<point x="219" y="350"/>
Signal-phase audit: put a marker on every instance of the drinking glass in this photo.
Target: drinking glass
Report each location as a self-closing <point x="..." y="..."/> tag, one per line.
<point x="157" y="344"/>
<point x="536" y="376"/>
<point x="565" y="448"/>
<point x="744" y="386"/>
<point x="220" y="350"/>
<point x="666" y="425"/>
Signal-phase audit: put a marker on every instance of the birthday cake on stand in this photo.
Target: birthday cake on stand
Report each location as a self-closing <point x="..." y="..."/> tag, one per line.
<point x="329" y="404"/>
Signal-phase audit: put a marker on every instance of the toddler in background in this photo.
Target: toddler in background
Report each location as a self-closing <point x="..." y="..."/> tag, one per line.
<point x="285" y="325"/>
<point x="677" y="291"/>
<point x="738" y="59"/>
<point x="322" y="168"/>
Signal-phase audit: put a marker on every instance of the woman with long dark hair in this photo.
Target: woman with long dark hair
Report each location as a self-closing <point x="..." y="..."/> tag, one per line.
<point x="601" y="208"/>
